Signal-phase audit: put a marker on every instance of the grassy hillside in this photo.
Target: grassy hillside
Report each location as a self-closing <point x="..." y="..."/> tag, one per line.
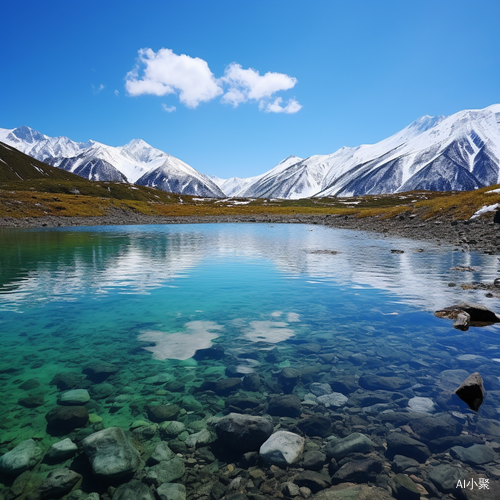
<point x="29" y="188"/>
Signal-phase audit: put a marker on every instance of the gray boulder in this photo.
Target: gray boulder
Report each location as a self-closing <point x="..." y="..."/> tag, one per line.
<point x="243" y="432"/>
<point x="466" y="314"/>
<point x="134" y="490"/>
<point x="477" y="454"/>
<point x="283" y="448"/>
<point x="61" y="451"/>
<point x="472" y="391"/>
<point x="111" y="454"/>
<point x="285" y="406"/>
<point x="59" y="482"/>
<point x="165" y="472"/>
<point x="75" y="397"/>
<point x="445" y="477"/>
<point x="23" y="457"/>
<point x="171" y="491"/>
<point x="354" y="443"/>
<point x="161" y="453"/>
<point x="402" y="444"/>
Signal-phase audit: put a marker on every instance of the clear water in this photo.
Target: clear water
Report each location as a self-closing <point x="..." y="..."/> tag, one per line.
<point x="71" y="296"/>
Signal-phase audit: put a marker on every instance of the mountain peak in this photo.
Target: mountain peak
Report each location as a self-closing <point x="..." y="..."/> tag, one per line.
<point x="27" y="134"/>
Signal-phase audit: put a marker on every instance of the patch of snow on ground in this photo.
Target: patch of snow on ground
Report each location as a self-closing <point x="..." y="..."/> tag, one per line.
<point x="481" y="211"/>
<point x="493" y="191"/>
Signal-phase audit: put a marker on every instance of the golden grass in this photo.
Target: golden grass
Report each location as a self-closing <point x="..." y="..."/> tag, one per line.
<point x="49" y="198"/>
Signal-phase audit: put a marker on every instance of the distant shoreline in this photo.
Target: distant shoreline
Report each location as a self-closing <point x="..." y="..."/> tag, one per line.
<point x="481" y="234"/>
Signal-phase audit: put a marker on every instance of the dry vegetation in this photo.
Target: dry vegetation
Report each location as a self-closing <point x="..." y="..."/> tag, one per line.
<point x="40" y="197"/>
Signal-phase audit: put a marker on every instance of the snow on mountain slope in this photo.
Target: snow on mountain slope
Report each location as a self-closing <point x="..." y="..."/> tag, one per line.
<point x="99" y="162"/>
<point x="459" y="152"/>
<point x="175" y="176"/>
<point x="234" y="185"/>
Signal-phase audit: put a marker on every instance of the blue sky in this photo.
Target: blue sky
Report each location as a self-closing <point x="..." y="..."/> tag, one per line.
<point x="326" y="74"/>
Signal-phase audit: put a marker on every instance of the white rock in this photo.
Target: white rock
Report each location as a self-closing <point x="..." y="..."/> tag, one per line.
<point x="320" y="389"/>
<point x="333" y="399"/>
<point x="421" y="405"/>
<point x="283" y="448"/>
<point x="74" y="397"/>
<point x="62" y="450"/>
<point x="199" y="438"/>
<point x="23" y="457"/>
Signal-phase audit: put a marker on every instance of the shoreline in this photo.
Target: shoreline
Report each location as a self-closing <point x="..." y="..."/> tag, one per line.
<point x="482" y="234"/>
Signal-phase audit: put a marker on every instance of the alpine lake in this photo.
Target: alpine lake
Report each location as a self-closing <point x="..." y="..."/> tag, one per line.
<point x="159" y="332"/>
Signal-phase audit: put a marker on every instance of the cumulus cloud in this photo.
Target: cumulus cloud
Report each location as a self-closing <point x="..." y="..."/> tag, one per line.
<point x="165" y="73"/>
<point x="168" y="109"/>
<point x="117" y="93"/>
<point x="248" y="84"/>
<point x="291" y="107"/>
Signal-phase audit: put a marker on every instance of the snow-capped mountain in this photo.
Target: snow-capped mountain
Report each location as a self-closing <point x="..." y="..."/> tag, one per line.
<point x="136" y="162"/>
<point x="175" y="176"/>
<point x="458" y="152"/>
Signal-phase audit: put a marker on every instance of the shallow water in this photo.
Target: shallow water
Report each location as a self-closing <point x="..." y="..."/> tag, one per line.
<point x="147" y="297"/>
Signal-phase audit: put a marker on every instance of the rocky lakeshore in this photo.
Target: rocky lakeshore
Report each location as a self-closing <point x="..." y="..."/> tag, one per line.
<point x="481" y="234"/>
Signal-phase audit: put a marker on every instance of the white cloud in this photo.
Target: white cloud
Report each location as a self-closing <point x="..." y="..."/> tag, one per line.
<point x="167" y="73"/>
<point x="275" y="107"/>
<point x="248" y="84"/>
<point x="163" y="72"/>
<point x="168" y="109"/>
<point x="117" y="93"/>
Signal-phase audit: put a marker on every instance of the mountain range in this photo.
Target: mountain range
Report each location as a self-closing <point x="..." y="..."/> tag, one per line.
<point x="459" y="152"/>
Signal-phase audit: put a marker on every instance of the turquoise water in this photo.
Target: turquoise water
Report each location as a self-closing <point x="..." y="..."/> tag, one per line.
<point x="145" y="298"/>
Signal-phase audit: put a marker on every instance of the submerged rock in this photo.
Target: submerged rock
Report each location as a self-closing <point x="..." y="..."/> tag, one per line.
<point x="402" y="444"/>
<point x="61" y="451"/>
<point x="243" y="432"/>
<point x="74" y="397"/>
<point x="285" y="406"/>
<point x="23" y="457"/>
<point x="165" y="472"/>
<point x="111" y="454"/>
<point x="59" y="482"/>
<point x="134" y="490"/>
<point x="315" y="425"/>
<point x="471" y="391"/>
<point x="477" y="454"/>
<point x="283" y="448"/>
<point x="171" y="491"/>
<point x="99" y="372"/>
<point x="354" y="443"/>
<point x="63" y="419"/>
<point x="161" y="413"/>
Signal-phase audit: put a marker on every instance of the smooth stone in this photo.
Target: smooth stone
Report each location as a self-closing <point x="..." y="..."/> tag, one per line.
<point x="134" y="490"/>
<point x="251" y="382"/>
<point x="477" y="454"/>
<point x="161" y="453"/>
<point x="102" y="391"/>
<point x="288" y="405"/>
<point x="313" y="460"/>
<point x="23" y="457"/>
<point x="62" y="450"/>
<point x="165" y="472"/>
<point x="283" y="448"/>
<point x="111" y="454"/>
<point x="243" y="432"/>
<point x="354" y="443"/>
<point x="348" y="491"/>
<point x="67" y="418"/>
<point x="421" y="405"/>
<point x="445" y="443"/>
<point x="171" y="491"/>
<point x="319" y="389"/>
<point x="315" y="425"/>
<point x="471" y="391"/>
<point x="74" y="397"/>
<point x="32" y="401"/>
<point x="242" y="402"/>
<point x="161" y="413"/>
<point x="402" y="444"/>
<point x="445" y="477"/>
<point x="161" y="378"/>
<point x="315" y="481"/>
<point x="400" y="463"/>
<point x="201" y="438"/>
<point x="66" y="381"/>
<point x="488" y="426"/>
<point x="334" y="399"/>
<point x="26" y="482"/>
<point x="404" y="488"/>
<point x="172" y="429"/>
<point x="59" y="482"/>
<point x="434" y="427"/>
<point x="358" y="471"/>
<point x="289" y="378"/>
<point x="29" y="385"/>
